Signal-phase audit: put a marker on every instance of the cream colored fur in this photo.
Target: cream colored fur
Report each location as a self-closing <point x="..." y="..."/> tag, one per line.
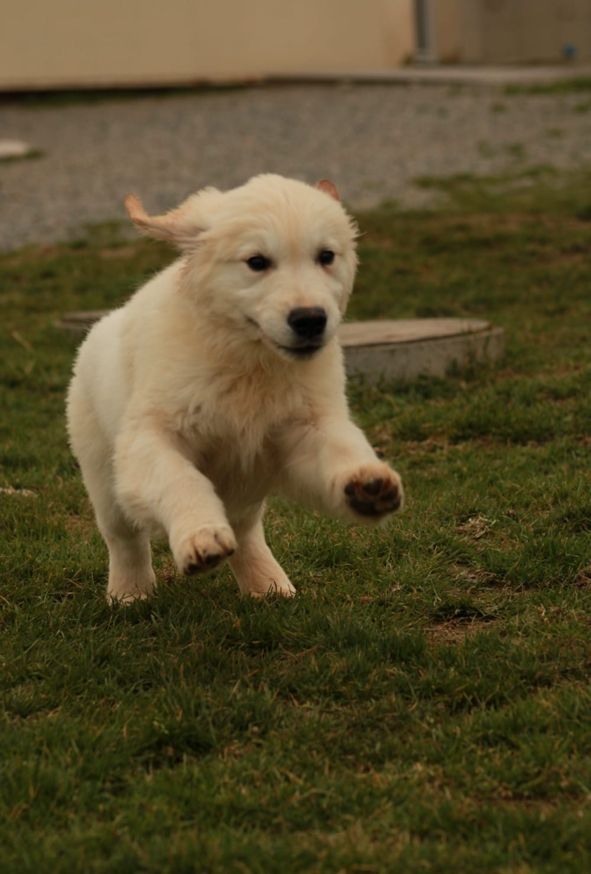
<point x="189" y="405"/>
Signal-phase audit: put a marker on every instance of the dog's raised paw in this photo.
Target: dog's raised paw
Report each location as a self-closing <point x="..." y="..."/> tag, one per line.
<point x="374" y="491"/>
<point x="205" y="549"/>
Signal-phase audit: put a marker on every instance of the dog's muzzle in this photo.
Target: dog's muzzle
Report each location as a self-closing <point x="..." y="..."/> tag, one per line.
<point x="308" y="328"/>
<point x="308" y="325"/>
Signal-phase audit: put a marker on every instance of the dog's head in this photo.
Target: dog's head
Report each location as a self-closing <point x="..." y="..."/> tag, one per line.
<point x="275" y="258"/>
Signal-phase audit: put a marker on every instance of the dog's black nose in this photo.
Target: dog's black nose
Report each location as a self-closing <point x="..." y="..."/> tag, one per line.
<point x="307" y="322"/>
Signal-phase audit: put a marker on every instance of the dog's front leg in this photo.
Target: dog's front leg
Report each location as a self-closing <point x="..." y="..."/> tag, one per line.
<point x="330" y="465"/>
<point x="155" y="480"/>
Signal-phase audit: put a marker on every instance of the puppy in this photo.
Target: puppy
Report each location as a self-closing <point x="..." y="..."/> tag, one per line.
<point x="221" y="381"/>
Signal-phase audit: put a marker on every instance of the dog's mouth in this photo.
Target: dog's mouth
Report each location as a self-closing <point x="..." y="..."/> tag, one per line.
<point x="306" y="351"/>
<point x="300" y="350"/>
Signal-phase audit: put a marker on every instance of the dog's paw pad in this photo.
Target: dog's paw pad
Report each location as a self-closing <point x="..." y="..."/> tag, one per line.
<point x="374" y="495"/>
<point x="205" y="549"/>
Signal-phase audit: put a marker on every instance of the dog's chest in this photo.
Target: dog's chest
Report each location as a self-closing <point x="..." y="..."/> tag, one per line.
<point x="241" y="462"/>
<point x="235" y="436"/>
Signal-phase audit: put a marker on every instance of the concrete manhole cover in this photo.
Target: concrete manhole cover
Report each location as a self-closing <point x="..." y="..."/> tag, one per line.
<point x="408" y="348"/>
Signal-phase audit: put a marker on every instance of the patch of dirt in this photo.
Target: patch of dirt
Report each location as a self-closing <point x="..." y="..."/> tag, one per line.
<point x="429" y="444"/>
<point x="80" y="527"/>
<point x="24" y="493"/>
<point x="455" y="631"/>
<point x="475" y="576"/>
<point x="110" y="253"/>
<point x="476" y="527"/>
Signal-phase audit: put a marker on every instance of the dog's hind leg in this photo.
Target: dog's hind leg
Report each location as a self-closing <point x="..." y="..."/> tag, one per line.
<point x="131" y="576"/>
<point x="256" y="570"/>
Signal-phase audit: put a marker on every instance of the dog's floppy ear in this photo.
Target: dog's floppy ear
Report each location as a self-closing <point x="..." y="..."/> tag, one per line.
<point x="329" y="188"/>
<point x="176" y="227"/>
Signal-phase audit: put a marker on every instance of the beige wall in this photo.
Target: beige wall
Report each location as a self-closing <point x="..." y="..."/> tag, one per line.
<point x="511" y="31"/>
<point x="64" y="43"/>
<point x="79" y="43"/>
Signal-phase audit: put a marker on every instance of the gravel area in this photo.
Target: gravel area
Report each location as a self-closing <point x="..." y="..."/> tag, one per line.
<point x="372" y="140"/>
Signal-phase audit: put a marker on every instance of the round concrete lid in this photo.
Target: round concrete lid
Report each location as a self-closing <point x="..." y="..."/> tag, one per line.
<point x="382" y="331"/>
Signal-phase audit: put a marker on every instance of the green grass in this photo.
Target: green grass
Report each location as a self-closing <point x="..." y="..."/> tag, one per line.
<point x="58" y="98"/>
<point x="423" y="704"/>
<point x="31" y="155"/>
<point x="573" y="85"/>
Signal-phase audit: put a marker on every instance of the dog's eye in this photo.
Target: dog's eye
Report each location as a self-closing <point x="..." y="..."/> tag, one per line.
<point x="258" y="263"/>
<point x="325" y="257"/>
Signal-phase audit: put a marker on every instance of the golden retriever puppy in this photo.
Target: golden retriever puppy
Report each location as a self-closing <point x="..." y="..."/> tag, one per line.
<point x="221" y="381"/>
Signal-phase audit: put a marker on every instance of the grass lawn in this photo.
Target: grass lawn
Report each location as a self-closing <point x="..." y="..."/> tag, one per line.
<point x="424" y="703"/>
